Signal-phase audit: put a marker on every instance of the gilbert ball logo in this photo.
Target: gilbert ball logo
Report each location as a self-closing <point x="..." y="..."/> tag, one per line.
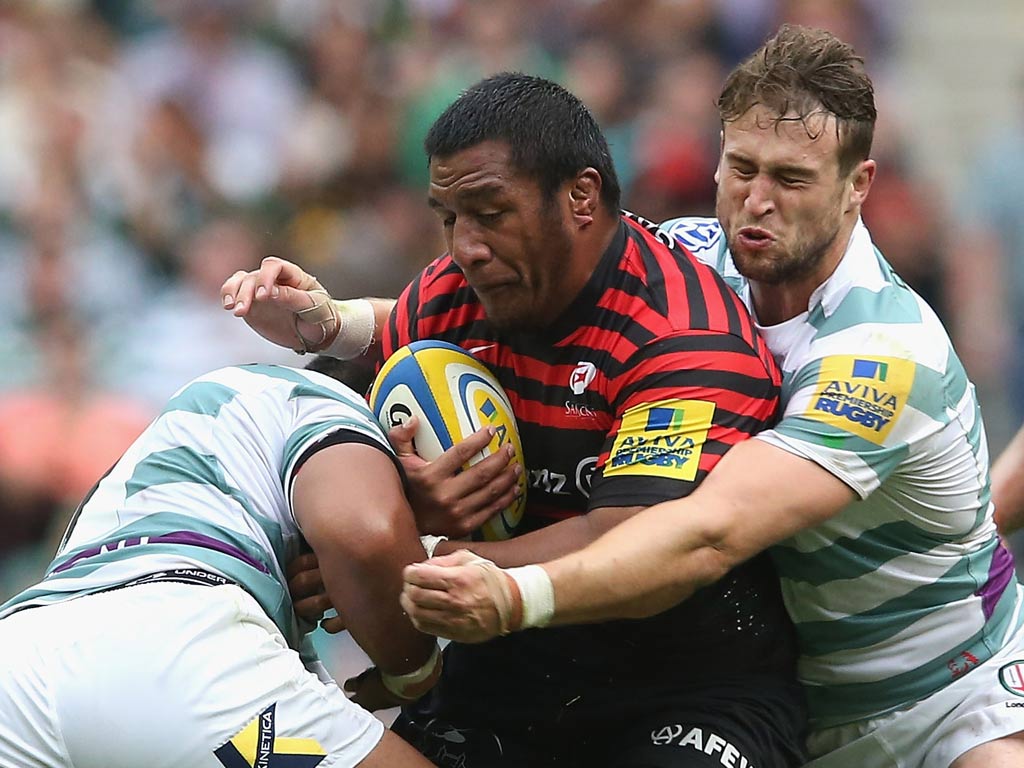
<point x="581" y="376"/>
<point x="1012" y="677"/>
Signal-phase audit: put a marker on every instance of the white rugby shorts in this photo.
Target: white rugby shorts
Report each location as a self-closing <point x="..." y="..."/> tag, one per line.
<point x="165" y="675"/>
<point x="986" y="704"/>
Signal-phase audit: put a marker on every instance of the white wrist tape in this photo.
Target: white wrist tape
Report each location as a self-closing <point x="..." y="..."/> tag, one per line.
<point x="430" y="543"/>
<point x="355" y="329"/>
<point x="321" y="313"/>
<point x="414" y="684"/>
<point x="537" y="593"/>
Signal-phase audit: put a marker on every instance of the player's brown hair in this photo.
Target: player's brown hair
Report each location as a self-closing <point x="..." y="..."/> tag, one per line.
<point x="801" y="72"/>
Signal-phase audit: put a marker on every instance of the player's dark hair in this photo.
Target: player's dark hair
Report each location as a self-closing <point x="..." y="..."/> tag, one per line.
<point x="355" y="374"/>
<point x="550" y="132"/>
<point x="800" y="72"/>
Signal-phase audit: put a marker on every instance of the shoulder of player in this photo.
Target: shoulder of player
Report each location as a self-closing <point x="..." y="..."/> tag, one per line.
<point x="442" y="270"/>
<point x="672" y="255"/>
<point x="440" y="287"/>
<point x="888" y="320"/>
<point x="297" y="390"/>
<point x="672" y="292"/>
<point x="868" y="355"/>
<point x="440" y="277"/>
<point x="707" y="353"/>
<point x="437" y="303"/>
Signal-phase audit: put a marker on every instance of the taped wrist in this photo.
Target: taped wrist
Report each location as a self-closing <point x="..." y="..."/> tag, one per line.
<point x="498" y="588"/>
<point x="355" y="329"/>
<point x="411" y="685"/>
<point x="536" y="593"/>
<point x="321" y="313"/>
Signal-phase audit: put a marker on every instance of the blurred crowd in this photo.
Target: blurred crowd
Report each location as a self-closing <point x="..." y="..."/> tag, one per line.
<point x="150" y="149"/>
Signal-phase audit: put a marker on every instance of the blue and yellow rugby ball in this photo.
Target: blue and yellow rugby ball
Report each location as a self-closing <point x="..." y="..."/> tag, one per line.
<point x="453" y="395"/>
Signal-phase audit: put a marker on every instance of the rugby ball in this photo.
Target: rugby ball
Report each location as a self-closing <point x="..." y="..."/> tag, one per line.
<point x="453" y="395"/>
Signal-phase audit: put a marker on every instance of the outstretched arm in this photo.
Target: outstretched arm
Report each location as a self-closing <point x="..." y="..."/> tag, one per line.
<point x="757" y="495"/>
<point x="286" y="305"/>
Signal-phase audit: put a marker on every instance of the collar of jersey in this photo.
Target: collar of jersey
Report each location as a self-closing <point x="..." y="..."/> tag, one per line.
<point x="858" y="267"/>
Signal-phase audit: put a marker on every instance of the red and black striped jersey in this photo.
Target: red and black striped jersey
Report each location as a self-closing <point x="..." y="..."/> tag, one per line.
<point x="628" y="399"/>
<point x="634" y="393"/>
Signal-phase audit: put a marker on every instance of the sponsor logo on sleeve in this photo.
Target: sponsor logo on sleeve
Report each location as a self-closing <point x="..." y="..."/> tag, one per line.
<point x="257" y="745"/>
<point x="860" y="395"/>
<point x="661" y="439"/>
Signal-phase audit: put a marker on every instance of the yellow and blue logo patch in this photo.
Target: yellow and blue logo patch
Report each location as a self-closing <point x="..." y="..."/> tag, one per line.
<point x="258" y="746"/>
<point x="860" y="395"/>
<point x="661" y="439"/>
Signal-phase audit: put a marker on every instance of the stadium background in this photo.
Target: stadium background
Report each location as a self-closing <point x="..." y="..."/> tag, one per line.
<point x="150" y="149"/>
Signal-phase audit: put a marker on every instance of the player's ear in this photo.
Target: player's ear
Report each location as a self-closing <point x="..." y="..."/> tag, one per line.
<point x="860" y="182"/>
<point x="585" y="196"/>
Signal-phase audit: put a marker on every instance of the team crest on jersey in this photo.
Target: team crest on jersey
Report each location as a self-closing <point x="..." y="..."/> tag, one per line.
<point x="1012" y="677"/>
<point x="581" y="377"/>
<point x="661" y="439"/>
<point x="861" y="395"/>
<point x="696" y="234"/>
<point x="258" y="746"/>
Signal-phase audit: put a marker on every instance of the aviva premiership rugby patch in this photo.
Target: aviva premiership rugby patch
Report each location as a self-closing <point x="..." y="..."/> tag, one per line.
<point x="861" y="395"/>
<point x="661" y="439"/>
<point x="258" y="746"/>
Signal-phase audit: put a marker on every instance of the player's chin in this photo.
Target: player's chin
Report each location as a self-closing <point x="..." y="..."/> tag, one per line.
<point x="512" y="313"/>
<point x="760" y="267"/>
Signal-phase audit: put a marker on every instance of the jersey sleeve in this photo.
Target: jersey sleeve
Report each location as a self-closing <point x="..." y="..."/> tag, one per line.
<point x="681" y="403"/>
<point x="857" y="416"/>
<point x="437" y="304"/>
<point x="401" y="326"/>
<point x="322" y="416"/>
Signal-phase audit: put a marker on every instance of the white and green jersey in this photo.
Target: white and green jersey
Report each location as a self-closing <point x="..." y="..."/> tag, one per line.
<point x="907" y="588"/>
<point x="208" y="486"/>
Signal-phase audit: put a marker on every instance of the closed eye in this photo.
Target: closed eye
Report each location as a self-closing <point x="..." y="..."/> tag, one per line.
<point x="490" y="217"/>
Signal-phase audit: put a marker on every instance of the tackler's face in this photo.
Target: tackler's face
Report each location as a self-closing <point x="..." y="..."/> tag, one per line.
<point x="510" y="240"/>
<point x="781" y="199"/>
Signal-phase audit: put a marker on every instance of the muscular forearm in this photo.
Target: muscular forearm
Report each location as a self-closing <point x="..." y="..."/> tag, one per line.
<point x="362" y="539"/>
<point x="756" y="496"/>
<point x="550" y="542"/>
<point x="644" y="566"/>
<point x="366" y="592"/>
<point x="469" y="599"/>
